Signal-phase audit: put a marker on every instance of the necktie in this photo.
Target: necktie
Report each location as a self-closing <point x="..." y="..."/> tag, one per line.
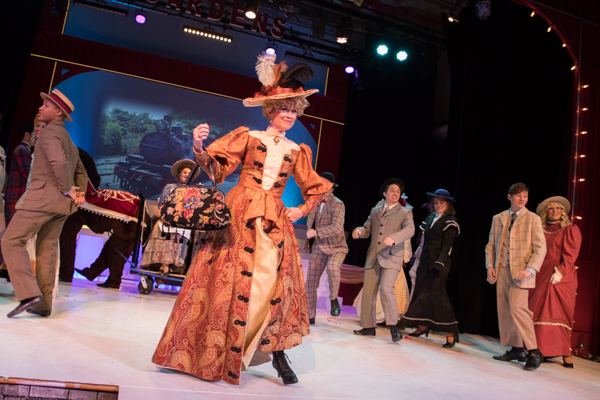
<point x="512" y="220"/>
<point x="384" y="211"/>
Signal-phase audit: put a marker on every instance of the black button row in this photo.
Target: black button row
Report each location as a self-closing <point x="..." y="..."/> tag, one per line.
<point x="276" y="301"/>
<point x="247" y="273"/>
<point x="236" y="349"/>
<point x="240" y="323"/>
<point x="249" y="249"/>
<point x="244" y="299"/>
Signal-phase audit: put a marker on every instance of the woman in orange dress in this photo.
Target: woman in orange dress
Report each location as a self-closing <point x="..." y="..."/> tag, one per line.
<point x="244" y="297"/>
<point x="553" y="298"/>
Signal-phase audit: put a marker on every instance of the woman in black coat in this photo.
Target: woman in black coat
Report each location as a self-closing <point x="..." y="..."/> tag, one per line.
<point x="430" y="308"/>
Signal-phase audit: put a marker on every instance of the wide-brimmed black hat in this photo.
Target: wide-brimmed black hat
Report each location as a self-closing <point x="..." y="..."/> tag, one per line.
<point x="443" y="193"/>
<point x="389" y="182"/>
<point x="329" y="177"/>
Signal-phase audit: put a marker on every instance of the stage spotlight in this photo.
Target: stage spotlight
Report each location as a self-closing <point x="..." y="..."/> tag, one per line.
<point x="564" y="45"/>
<point x="251" y="10"/>
<point x="402" y="55"/>
<point x="550" y="28"/>
<point x="532" y="13"/>
<point x="382" y="49"/>
<point x="342" y="33"/>
<point x="140" y="18"/>
<point x="349" y="69"/>
<point x="271" y="50"/>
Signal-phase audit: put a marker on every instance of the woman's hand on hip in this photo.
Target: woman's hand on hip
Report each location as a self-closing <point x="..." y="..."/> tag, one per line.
<point x="200" y="135"/>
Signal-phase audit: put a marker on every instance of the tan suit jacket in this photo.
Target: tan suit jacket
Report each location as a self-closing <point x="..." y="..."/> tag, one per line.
<point x="397" y="224"/>
<point x="329" y="225"/>
<point x="54" y="169"/>
<point x="527" y="244"/>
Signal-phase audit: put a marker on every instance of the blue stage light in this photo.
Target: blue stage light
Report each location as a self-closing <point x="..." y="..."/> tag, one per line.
<point x="402" y="55"/>
<point x="382" y="50"/>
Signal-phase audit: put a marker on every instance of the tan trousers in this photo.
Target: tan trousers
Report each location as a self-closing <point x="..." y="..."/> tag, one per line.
<point x="24" y="225"/>
<point x="515" y="320"/>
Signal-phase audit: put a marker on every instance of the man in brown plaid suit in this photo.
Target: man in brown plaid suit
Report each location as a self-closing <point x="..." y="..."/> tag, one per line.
<point x="514" y="254"/>
<point x="326" y="227"/>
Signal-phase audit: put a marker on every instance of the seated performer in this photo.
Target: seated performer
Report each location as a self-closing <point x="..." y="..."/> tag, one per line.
<point x="244" y="296"/>
<point x="328" y="250"/>
<point x="167" y="247"/>
<point x="514" y="255"/>
<point x="389" y="225"/>
<point x="552" y="301"/>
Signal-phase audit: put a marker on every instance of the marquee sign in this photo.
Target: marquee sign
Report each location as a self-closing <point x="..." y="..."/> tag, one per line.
<point x="216" y="11"/>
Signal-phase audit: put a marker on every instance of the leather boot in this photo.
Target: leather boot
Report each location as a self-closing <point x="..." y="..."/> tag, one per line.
<point x="335" y="308"/>
<point x="396" y="335"/>
<point x="280" y="363"/>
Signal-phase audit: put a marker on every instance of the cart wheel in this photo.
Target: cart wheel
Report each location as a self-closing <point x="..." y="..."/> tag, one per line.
<point x="146" y="285"/>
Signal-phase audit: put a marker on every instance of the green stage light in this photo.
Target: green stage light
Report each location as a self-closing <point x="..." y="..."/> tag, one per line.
<point x="382" y="50"/>
<point x="402" y="55"/>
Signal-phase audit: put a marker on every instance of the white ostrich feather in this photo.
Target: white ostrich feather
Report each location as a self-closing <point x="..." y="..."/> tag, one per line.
<point x="264" y="69"/>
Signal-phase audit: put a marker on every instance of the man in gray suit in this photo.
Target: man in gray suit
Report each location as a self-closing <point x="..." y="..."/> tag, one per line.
<point x="389" y="225"/>
<point x="52" y="195"/>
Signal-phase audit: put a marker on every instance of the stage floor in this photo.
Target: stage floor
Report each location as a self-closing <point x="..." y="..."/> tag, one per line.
<point x="107" y="337"/>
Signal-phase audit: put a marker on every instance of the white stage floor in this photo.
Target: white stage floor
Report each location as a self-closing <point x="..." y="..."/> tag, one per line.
<point x="107" y="337"/>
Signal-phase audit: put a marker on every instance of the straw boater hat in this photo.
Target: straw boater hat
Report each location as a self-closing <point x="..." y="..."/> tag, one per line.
<point x="61" y="101"/>
<point x="556" y="199"/>
<point x="443" y="193"/>
<point x="279" y="81"/>
<point x="185" y="162"/>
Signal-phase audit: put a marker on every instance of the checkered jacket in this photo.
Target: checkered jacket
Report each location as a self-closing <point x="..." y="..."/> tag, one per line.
<point x="329" y="225"/>
<point x="17" y="177"/>
<point x="527" y="244"/>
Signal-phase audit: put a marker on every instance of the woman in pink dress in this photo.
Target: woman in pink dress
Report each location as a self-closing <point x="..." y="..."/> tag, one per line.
<point x="553" y="299"/>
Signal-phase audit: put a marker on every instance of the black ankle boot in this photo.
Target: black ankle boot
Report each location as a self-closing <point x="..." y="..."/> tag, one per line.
<point x="283" y="368"/>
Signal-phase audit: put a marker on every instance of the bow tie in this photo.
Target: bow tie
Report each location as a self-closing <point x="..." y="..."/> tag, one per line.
<point x="323" y="201"/>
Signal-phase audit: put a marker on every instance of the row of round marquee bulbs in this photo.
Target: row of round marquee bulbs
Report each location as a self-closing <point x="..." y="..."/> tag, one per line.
<point x="208" y="35"/>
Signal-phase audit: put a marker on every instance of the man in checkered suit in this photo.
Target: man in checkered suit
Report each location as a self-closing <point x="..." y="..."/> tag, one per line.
<point x="326" y="227"/>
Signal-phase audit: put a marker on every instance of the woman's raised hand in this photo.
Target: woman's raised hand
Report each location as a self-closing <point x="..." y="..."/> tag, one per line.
<point x="200" y="134"/>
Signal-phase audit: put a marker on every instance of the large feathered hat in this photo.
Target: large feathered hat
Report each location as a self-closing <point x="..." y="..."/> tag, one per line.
<point x="280" y="81"/>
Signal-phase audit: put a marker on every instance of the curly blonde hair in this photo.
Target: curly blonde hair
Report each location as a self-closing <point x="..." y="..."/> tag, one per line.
<point x="273" y="105"/>
<point x="564" y="218"/>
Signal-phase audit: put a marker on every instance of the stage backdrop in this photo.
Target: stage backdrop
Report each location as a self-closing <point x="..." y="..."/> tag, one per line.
<point x="136" y="129"/>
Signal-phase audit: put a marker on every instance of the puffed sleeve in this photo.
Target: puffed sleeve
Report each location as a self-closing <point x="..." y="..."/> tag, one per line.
<point x="570" y="249"/>
<point x="314" y="188"/>
<point x="225" y="153"/>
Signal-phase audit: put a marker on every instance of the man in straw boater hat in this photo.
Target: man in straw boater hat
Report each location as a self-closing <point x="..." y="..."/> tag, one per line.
<point x="53" y="192"/>
<point x="513" y="256"/>
<point x="328" y="250"/>
<point x="389" y="225"/>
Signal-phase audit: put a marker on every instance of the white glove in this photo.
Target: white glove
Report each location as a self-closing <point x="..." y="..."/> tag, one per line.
<point x="556" y="277"/>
